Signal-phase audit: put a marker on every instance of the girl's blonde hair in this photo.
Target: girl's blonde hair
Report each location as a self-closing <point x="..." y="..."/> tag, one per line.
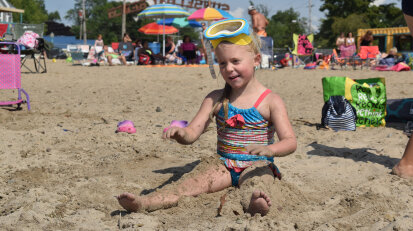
<point x="255" y="47"/>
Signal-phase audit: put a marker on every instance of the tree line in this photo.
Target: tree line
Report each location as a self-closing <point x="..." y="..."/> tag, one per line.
<point x="340" y="16"/>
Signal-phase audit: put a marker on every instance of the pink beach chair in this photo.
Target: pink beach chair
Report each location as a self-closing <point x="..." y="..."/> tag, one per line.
<point x="10" y="76"/>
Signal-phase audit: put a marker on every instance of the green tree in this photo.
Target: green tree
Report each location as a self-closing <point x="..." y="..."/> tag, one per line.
<point x="387" y="15"/>
<point x="282" y="26"/>
<point x="34" y="11"/>
<point x="350" y="15"/>
<point x="54" y="16"/>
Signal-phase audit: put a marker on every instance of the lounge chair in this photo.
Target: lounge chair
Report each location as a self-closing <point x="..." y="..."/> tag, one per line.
<point x="79" y="53"/>
<point x="10" y="76"/>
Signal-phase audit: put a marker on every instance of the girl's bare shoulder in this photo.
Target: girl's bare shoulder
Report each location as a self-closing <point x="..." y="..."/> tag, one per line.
<point x="215" y="95"/>
<point x="273" y="100"/>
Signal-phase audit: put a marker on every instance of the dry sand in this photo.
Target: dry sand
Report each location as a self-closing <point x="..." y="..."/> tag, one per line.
<point x="62" y="162"/>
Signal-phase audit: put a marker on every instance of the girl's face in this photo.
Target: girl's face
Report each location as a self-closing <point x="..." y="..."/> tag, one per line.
<point x="236" y="64"/>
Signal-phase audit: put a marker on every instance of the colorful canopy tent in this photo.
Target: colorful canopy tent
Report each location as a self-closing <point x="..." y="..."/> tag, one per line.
<point x="164" y="11"/>
<point x="154" y="29"/>
<point x="387" y="37"/>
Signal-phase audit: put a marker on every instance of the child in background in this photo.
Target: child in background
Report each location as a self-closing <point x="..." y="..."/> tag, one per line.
<point x="98" y="46"/>
<point x="247" y="116"/>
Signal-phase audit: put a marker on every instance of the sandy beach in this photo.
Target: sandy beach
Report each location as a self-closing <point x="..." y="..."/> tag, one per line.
<point x="62" y="162"/>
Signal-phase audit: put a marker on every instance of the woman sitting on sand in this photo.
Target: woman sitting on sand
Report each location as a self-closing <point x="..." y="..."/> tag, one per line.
<point x="170" y="50"/>
<point x="113" y="55"/>
<point x="247" y="116"/>
<point x="188" y="50"/>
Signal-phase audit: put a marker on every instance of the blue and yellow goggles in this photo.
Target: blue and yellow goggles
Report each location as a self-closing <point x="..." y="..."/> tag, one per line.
<point x="235" y="31"/>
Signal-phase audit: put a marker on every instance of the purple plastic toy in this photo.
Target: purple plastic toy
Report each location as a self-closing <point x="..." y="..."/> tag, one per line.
<point x="126" y="126"/>
<point x="177" y="123"/>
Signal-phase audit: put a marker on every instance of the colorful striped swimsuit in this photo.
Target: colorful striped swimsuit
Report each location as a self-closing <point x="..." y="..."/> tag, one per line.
<point x="244" y="127"/>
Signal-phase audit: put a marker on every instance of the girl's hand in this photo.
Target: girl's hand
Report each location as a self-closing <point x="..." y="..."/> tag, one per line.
<point x="260" y="150"/>
<point x="174" y="133"/>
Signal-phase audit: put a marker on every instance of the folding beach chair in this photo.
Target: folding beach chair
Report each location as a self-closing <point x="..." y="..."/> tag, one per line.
<point x="303" y="49"/>
<point x="337" y="60"/>
<point x="367" y="56"/>
<point x="267" y="53"/>
<point x="78" y="53"/>
<point x="37" y="55"/>
<point x="10" y="76"/>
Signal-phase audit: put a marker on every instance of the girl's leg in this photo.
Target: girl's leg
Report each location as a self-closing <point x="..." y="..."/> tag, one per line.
<point x="257" y="199"/>
<point x="214" y="179"/>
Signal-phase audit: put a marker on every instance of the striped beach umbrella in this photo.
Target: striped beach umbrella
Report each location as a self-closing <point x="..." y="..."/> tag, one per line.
<point x="163" y="11"/>
<point x="179" y="22"/>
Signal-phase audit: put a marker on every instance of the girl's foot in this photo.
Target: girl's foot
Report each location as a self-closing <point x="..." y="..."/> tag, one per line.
<point x="403" y="171"/>
<point x="129" y="202"/>
<point x="260" y="203"/>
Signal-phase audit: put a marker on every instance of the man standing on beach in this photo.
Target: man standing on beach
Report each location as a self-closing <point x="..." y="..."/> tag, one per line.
<point x="259" y="22"/>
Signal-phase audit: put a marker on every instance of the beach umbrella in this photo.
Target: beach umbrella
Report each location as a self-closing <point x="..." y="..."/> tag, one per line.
<point x="179" y="22"/>
<point x="225" y="14"/>
<point x="209" y="14"/>
<point x="155" y="28"/>
<point x="163" y="11"/>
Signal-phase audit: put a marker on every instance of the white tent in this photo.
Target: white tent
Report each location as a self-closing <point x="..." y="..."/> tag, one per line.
<point x="6" y="10"/>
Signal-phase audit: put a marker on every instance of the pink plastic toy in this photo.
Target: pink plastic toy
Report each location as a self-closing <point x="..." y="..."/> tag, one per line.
<point x="126" y="126"/>
<point x="177" y="123"/>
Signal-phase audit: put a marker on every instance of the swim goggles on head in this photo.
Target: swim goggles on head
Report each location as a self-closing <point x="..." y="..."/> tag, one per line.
<point x="235" y="31"/>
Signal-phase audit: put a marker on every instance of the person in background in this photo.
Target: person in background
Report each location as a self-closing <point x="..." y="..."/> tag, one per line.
<point x="389" y="59"/>
<point x="366" y="40"/>
<point x="340" y="41"/>
<point x="98" y="46"/>
<point x="188" y="50"/>
<point x="259" y="22"/>
<point x="113" y="55"/>
<point x="404" y="168"/>
<point x="170" y="49"/>
<point x="126" y="38"/>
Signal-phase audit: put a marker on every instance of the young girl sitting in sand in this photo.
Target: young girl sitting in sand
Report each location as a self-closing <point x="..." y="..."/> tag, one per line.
<point x="247" y="115"/>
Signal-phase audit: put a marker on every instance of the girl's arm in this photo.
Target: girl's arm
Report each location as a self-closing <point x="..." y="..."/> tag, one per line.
<point x="287" y="143"/>
<point x="197" y="126"/>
